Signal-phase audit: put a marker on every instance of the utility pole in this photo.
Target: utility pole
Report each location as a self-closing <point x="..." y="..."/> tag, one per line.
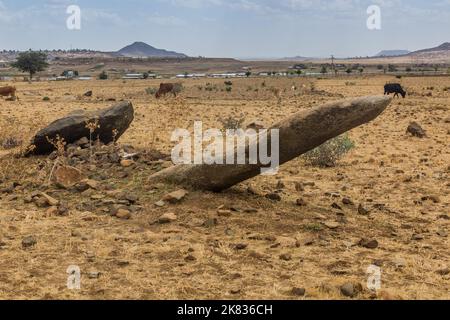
<point x="332" y="64"/>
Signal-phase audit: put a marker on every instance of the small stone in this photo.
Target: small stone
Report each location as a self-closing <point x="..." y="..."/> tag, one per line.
<point x="75" y="233"/>
<point x="300" y="292"/>
<point x="235" y="291"/>
<point x="176" y="196"/>
<point x="82" y="142"/>
<point x="160" y="204"/>
<point x="250" y="210"/>
<point x="132" y="197"/>
<point x="251" y="190"/>
<point x="92" y="184"/>
<point x="123" y="214"/>
<point x="350" y="290"/>
<point x="167" y="218"/>
<point x="97" y="196"/>
<point x="300" y="202"/>
<point x="369" y="244"/>
<point x="331" y="224"/>
<point x="126" y="163"/>
<point x="416" y="130"/>
<point x="399" y="263"/>
<point x="442" y="233"/>
<point x="334" y="205"/>
<point x="190" y="258"/>
<point x="273" y="196"/>
<point x="28" y="199"/>
<point x="52" y="211"/>
<point x="122" y="263"/>
<point x="67" y="176"/>
<point x="241" y="246"/>
<point x="433" y="198"/>
<point x="347" y="201"/>
<point x="443" y="272"/>
<point x="362" y="211"/>
<point x="417" y="237"/>
<point x="50" y="200"/>
<point x="286" y="257"/>
<point x="28" y="242"/>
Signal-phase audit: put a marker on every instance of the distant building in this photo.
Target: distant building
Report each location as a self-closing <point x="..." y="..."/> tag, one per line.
<point x="133" y="76"/>
<point x="229" y="75"/>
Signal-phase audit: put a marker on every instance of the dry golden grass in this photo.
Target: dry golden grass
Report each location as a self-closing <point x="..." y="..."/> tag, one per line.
<point x="388" y="172"/>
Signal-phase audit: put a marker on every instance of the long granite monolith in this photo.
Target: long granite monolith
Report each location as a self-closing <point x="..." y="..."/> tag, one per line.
<point x="298" y="134"/>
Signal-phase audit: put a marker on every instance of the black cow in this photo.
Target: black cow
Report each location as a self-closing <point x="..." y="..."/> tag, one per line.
<point x="394" y="88"/>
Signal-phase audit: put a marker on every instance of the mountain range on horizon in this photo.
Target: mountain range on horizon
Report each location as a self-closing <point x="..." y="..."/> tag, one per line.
<point x="392" y="53"/>
<point x="143" y="50"/>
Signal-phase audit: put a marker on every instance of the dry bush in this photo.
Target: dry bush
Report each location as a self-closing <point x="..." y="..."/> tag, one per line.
<point x="329" y="153"/>
<point x="232" y="123"/>
<point x="151" y="91"/>
<point x="12" y="134"/>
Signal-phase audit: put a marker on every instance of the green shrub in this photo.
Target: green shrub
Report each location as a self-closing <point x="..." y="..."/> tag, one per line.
<point x="329" y="153"/>
<point x="103" y="76"/>
<point x="46" y="99"/>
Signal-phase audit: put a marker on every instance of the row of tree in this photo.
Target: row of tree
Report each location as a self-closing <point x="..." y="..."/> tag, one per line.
<point x="36" y="61"/>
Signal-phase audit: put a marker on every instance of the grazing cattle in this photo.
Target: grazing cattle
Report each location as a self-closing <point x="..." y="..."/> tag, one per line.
<point x="8" y="91"/>
<point x="166" y="88"/>
<point x="394" y="88"/>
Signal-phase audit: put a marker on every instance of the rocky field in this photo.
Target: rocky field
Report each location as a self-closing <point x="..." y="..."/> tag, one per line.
<point x="307" y="233"/>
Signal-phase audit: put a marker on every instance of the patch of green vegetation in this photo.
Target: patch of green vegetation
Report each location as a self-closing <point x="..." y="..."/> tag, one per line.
<point x="329" y="153"/>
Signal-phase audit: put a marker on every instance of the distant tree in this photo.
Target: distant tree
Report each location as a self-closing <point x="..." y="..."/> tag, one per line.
<point x="31" y="62"/>
<point x="392" y="68"/>
<point x="408" y="69"/>
<point x="248" y="74"/>
<point x="349" y="70"/>
<point x="76" y="73"/>
<point x="299" y="72"/>
<point x="361" y="70"/>
<point x="324" y="70"/>
<point x="145" y="75"/>
<point x="103" y="76"/>
<point x="380" y="67"/>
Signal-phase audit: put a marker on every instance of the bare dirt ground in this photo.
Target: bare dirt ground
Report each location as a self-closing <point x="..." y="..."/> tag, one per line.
<point x="398" y="186"/>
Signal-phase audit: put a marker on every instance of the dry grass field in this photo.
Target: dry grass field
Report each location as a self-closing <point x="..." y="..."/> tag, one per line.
<point x="392" y="187"/>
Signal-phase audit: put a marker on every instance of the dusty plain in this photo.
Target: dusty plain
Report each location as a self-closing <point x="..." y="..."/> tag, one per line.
<point x="237" y="244"/>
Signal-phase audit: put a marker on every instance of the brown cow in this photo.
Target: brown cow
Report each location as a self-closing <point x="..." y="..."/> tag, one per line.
<point x="8" y="91"/>
<point x="166" y="88"/>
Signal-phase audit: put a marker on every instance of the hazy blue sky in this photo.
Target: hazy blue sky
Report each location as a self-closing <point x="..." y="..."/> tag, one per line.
<point x="228" y="28"/>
